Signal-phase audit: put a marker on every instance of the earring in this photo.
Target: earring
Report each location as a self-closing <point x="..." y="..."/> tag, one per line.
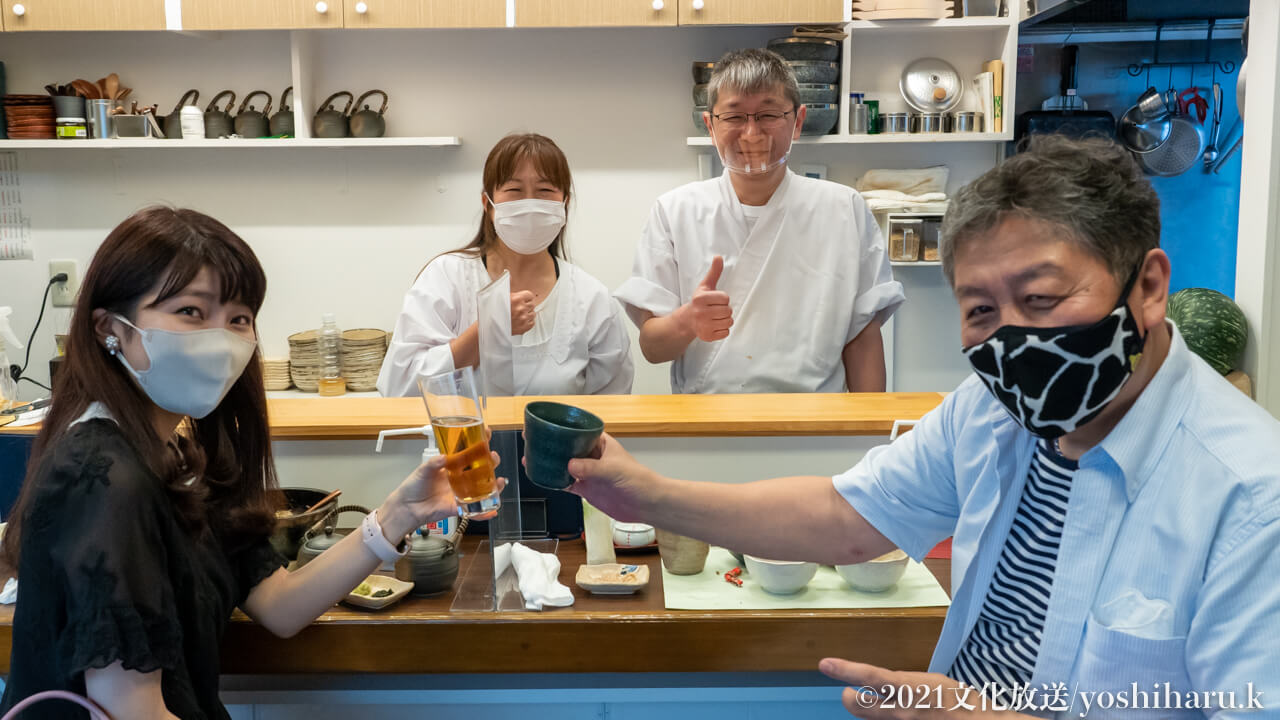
<point x="113" y="344"/>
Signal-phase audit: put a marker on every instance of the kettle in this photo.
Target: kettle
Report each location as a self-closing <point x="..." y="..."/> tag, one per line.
<point x="171" y="124"/>
<point x="282" y="122"/>
<point x="367" y="123"/>
<point x="316" y="542"/>
<point x="217" y="123"/>
<point x="431" y="563"/>
<point x="330" y="123"/>
<point x="251" y="123"/>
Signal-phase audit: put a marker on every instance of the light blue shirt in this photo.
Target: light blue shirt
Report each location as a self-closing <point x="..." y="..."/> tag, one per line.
<point x="1169" y="565"/>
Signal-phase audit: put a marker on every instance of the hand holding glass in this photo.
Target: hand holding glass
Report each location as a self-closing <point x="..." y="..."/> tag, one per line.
<point x="453" y="405"/>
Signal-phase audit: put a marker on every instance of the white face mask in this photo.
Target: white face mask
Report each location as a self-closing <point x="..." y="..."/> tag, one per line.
<point x="190" y="371"/>
<point x="528" y="226"/>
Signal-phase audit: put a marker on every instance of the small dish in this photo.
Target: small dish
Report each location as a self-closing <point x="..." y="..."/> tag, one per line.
<point x="612" y="578"/>
<point x="633" y="535"/>
<point x="377" y="584"/>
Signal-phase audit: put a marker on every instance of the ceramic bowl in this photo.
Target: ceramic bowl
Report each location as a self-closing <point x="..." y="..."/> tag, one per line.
<point x="781" y="577"/>
<point x="806" y="48"/>
<point x="702" y="71"/>
<point x="815" y="71"/>
<point x="875" y="575"/>
<point x="819" y="119"/>
<point x="822" y="93"/>
<point x="633" y="535"/>
<point x="699" y="127"/>
<point x="554" y="434"/>
<point x="682" y="555"/>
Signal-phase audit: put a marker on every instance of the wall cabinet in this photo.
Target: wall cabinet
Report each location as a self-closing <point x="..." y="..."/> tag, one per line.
<point x="37" y="15"/>
<point x="424" y="13"/>
<point x="592" y="13"/>
<point x="753" y="12"/>
<point x="257" y="15"/>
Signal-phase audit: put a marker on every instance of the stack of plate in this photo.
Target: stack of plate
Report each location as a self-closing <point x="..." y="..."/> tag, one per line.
<point x="29" y="117"/>
<point x="275" y="373"/>
<point x="903" y="9"/>
<point x="362" y="352"/>
<point x="304" y="360"/>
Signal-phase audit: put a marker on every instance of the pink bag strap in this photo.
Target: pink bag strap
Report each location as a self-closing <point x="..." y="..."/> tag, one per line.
<point x="95" y="712"/>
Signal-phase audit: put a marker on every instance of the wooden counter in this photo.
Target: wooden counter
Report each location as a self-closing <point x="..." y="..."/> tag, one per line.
<point x="314" y="418"/>
<point x="632" y="633"/>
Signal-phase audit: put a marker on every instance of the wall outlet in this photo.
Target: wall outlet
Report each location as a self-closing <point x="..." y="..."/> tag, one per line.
<point x="63" y="294"/>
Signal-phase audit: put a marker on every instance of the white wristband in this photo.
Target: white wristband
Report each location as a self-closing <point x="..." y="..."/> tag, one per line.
<point x="371" y="531"/>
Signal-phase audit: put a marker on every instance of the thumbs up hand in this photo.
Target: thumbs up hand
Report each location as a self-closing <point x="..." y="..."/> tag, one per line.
<point x="708" y="315"/>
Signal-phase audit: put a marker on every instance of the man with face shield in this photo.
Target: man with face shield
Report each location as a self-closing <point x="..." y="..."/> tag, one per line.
<point x="1114" y="503"/>
<point x="761" y="280"/>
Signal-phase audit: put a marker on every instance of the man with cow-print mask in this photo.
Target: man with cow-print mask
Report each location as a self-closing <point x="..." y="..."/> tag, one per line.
<point x="1114" y="503"/>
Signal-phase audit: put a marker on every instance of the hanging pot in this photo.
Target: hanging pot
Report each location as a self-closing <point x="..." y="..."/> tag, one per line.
<point x="282" y="122"/>
<point x="171" y="124"/>
<point x="366" y="122"/>
<point x="330" y="123"/>
<point x="251" y="123"/>
<point x="318" y="539"/>
<point x="218" y="123"/>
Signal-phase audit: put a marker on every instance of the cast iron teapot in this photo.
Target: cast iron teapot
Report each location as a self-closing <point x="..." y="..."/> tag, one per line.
<point x="282" y="122"/>
<point x="171" y="124"/>
<point x="431" y="563"/>
<point x="218" y="123"/>
<point x="330" y="123"/>
<point x="367" y="123"/>
<point x="251" y="123"/>
<point x="317" y="542"/>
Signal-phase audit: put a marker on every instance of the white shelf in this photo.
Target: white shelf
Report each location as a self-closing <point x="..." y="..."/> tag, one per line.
<point x="917" y="263"/>
<point x="885" y="139"/>
<point x="135" y="143"/>
<point x="917" y="25"/>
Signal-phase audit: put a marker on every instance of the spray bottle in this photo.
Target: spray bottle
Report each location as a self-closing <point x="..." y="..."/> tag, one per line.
<point x="8" y="385"/>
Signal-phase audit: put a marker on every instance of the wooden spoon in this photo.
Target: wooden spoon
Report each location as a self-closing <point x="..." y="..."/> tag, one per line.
<point x="323" y="500"/>
<point x="85" y="88"/>
<point x="113" y="85"/>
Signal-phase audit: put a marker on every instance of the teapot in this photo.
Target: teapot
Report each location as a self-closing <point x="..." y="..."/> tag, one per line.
<point x="251" y="123"/>
<point x="367" y="123"/>
<point x="218" y="123"/>
<point x="171" y="124"/>
<point x="330" y="123"/>
<point x="316" y="542"/>
<point x="282" y="122"/>
<point x="431" y="563"/>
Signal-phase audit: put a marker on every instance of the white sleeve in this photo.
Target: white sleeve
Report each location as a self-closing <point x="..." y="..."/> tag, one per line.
<point x="878" y="294"/>
<point x="419" y="346"/>
<point x="654" y="284"/>
<point x="610" y="369"/>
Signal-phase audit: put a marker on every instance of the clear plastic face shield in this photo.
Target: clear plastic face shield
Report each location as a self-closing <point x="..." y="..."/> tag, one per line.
<point x="753" y="143"/>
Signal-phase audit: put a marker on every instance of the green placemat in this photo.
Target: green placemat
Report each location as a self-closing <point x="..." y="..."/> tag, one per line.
<point x="709" y="591"/>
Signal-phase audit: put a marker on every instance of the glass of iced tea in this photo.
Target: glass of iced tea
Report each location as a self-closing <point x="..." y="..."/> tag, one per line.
<point x="454" y="406"/>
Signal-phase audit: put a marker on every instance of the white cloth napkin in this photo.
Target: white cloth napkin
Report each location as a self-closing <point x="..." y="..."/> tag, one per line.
<point x="537" y="573"/>
<point x="9" y="595"/>
<point x="882" y="199"/>
<point x="917" y="181"/>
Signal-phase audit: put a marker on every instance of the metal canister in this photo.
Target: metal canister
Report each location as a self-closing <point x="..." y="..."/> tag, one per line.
<point x="969" y="122"/>
<point x="926" y="122"/>
<point x="894" y="122"/>
<point x="858" y="116"/>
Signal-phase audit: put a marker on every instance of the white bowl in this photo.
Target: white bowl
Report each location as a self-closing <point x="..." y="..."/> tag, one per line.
<point x="633" y="535"/>
<point x="780" y="577"/>
<point x="875" y="575"/>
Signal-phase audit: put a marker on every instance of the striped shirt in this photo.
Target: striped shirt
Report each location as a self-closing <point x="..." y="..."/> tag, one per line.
<point x="1002" y="647"/>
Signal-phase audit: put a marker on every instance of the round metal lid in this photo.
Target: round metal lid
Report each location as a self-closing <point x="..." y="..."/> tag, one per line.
<point x="931" y="85"/>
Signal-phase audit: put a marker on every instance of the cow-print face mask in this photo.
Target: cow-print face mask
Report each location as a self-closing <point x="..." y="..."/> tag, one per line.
<point x="1053" y="380"/>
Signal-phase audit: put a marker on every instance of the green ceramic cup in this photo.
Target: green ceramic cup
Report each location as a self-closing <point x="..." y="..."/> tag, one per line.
<point x="554" y="434"/>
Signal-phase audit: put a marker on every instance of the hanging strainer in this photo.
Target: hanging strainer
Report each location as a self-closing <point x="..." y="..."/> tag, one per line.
<point x="1177" y="154"/>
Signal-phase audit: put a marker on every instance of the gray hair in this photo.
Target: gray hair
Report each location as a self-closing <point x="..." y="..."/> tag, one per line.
<point x="752" y="70"/>
<point x="1092" y="189"/>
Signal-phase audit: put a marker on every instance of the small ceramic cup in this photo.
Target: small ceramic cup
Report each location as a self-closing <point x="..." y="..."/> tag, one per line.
<point x="682" y="555"/>
<point x="875" y="575"/>
<point x="554" y="434"/>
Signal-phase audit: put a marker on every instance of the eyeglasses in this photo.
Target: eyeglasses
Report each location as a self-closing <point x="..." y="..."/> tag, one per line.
<point x="770" y="120"/>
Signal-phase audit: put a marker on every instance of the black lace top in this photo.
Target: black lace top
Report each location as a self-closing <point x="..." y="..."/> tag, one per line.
<point x="107" y="573"/>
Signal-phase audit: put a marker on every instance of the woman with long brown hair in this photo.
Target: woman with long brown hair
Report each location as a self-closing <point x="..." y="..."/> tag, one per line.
<point x="566" y="334"/>
<point x="146" y="511"/>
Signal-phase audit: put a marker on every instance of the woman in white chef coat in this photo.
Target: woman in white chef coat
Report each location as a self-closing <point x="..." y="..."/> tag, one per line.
<point x="566" y="334"/>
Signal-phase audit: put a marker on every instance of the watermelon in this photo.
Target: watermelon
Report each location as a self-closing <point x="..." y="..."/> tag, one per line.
<point x="1212" y="325"/>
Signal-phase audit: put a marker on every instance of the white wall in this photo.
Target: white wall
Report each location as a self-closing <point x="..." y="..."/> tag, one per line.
<point x="346" y="230"/>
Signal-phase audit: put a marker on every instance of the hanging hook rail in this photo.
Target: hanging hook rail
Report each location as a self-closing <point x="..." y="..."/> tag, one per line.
<point x="1225" y="67"/>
